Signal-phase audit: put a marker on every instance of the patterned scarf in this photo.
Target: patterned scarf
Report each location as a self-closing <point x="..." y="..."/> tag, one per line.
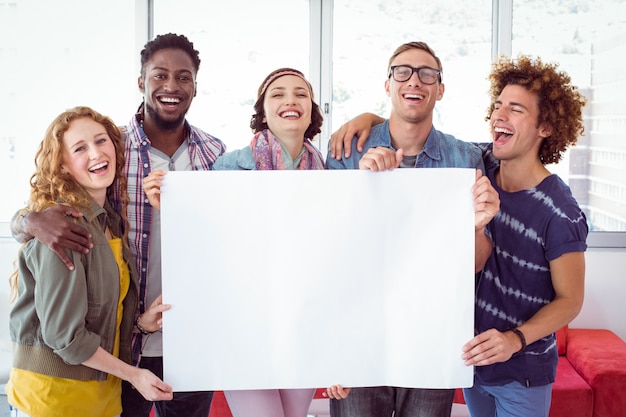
<point x="268" y="153"/>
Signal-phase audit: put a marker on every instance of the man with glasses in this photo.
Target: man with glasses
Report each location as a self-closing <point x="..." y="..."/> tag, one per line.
<point x="409" y="140"/>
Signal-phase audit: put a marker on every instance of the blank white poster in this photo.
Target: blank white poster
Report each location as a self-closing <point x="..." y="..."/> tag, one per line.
<point x="291" y="279"/>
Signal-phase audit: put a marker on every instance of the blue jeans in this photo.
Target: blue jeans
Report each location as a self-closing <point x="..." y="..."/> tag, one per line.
<point x="509" y="400"/>
<point x="184" y="404"/>
<point x="383" y="401"/>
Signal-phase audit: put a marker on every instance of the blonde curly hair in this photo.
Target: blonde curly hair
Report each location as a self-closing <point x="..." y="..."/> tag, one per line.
<point x="50" y="185"/>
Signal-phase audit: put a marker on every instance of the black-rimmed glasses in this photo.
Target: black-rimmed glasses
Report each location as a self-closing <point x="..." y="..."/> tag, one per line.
<point x="426" y="75"/>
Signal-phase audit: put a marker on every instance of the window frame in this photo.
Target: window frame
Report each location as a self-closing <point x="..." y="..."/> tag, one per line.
<point x="321" y="24"/>
<point x="502" y="44"/>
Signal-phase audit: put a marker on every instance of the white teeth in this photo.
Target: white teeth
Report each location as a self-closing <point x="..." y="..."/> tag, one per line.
<point x="502" y="130"/>
<point x="100" y="165"/>
<point x="414" y="96"/>
<point x="170" y="100"/>
<point x="290" y="114"/>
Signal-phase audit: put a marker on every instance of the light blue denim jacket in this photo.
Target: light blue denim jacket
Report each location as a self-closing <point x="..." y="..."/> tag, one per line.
<point x="440" y="151"/>
<point x="242" y="159"/>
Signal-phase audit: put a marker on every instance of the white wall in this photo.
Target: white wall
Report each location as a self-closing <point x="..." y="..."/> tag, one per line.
<point x="605" y="291"/>
<point x="604" y="307"/>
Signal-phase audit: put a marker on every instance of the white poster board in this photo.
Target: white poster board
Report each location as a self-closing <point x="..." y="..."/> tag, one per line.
<point x="291" y="279"/>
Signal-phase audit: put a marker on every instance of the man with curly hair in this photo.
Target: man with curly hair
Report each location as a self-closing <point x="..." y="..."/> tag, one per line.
<point x="533" y="282"/>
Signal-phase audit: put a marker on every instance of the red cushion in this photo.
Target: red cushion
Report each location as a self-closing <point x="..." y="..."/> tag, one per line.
<point x="318" y="393"/>
<point x="600" y="357"/>
<point x="571" y="395"/>
<point x="219" y="406"/>
<point x="458" y="396"/>
<point x="561" y="340"/>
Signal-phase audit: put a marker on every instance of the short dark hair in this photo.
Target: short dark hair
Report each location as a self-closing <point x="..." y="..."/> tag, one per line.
<point x="167" y="41"/>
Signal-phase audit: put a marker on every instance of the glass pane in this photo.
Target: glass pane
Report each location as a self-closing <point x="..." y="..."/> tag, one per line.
<point x="365" y="34"/>
<point x="240" y="42"/>
<point x="53" y="56"/>
<point x="588" y="40"/>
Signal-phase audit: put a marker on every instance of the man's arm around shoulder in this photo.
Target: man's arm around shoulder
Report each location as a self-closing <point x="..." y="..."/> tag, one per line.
<point x="52" y="228"/>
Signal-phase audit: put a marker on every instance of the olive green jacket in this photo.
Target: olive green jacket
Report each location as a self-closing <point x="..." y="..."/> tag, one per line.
<point x="60" y="317"/>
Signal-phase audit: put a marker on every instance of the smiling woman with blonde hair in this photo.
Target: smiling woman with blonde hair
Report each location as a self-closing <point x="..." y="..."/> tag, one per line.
<point x="71" y="329"/>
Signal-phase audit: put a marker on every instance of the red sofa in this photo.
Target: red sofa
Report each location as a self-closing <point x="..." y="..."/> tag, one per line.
<point x="590" y="376"/>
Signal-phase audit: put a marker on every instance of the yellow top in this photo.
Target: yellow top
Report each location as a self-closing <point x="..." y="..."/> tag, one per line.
<point x="45" y="396"/>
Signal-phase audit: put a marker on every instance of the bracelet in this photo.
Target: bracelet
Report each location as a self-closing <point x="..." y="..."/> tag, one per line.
<point x="141" y="329"/>
<point x="521" y="336"/>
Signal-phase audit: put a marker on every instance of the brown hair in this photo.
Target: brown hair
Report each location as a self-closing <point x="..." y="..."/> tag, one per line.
<point x="560" y="103"/>
<point x="256" y="122"/>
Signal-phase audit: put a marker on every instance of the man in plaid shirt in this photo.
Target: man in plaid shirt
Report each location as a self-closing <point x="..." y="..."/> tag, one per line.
<point x="157" y="137"/>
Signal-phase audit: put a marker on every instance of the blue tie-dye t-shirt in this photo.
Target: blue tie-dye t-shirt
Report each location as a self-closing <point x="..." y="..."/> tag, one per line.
<point x="533" y="227"/>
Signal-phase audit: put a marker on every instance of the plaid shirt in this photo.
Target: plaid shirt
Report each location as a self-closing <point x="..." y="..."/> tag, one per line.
<point x="203" y="151"/>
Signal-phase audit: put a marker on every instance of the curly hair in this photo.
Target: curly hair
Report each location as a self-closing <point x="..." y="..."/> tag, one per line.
<point x="50" y="185"/>
<point x="560" y="102"/>
<point x="169" y="40"/>
<point x="256" y="122"/>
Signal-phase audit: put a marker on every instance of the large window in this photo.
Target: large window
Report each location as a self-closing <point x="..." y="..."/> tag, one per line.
<point x="240" y="42"/>
<point x="365" y="34"/>
<point x="55" y="55"/>
<point x="588" y="40"/>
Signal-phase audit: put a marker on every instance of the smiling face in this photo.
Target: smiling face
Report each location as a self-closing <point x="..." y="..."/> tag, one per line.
<point x="412" y="100"/>
<point x="89" y="157"/>
<point x="514" y="125"/>
<point x="168" y="85"/>
<point x="287" y="107"/>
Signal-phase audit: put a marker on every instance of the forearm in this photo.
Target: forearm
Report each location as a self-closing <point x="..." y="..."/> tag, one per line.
<point x="144" y="381"/>
<point x="105" y="362"/>
<point x="550" y="318"/>
<point x="376" y="119"/>
<point x="493" y="346"/>
<point x="568" y="281"/>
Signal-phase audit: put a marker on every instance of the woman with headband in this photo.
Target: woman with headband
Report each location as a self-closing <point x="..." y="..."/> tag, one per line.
<point x="71" y="329"/>
<point x="286" y="118"/>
